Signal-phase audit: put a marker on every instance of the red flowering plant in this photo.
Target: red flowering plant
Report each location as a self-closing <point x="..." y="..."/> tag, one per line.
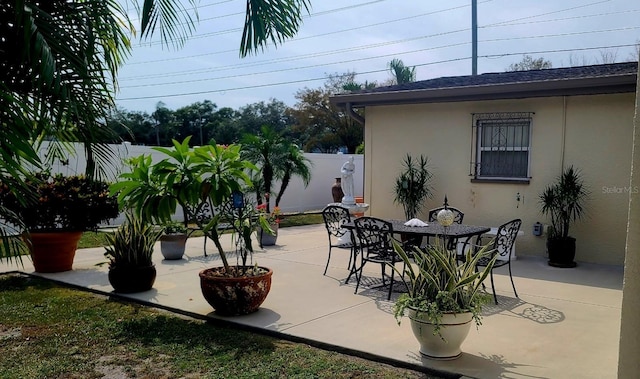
<point x="61" y="203"/>
<point x="272" y="217"/>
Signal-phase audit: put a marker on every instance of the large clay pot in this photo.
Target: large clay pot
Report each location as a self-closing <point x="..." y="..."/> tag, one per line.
<point x="562" y="251"/>
<point x="231" y="296"/>
<point x="267" y="239"/>
<point x="454" y="328"/>
<point x="336" y="191"/>
<point x="53" y="251"/>
<point x="126" y="279"/>
<point x="172" y="245"/>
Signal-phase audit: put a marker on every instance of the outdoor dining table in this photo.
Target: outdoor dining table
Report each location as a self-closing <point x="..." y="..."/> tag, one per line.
<point x="432" y="229"/>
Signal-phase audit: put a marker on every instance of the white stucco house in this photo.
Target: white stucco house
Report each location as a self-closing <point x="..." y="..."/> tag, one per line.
<point x="496" y="140"/>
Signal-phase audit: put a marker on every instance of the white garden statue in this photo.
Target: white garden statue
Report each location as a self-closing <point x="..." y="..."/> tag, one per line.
<point x="347" y="171"/>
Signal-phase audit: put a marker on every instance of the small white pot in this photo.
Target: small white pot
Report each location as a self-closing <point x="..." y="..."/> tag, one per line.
<point x="172" y="245"/>
<point x="454" y="328"/>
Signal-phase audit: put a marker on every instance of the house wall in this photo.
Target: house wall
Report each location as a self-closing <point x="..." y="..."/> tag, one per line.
<point x="593" y="133"/>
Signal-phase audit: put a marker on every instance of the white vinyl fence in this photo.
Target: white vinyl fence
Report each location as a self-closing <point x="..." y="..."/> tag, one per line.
<point x="324" y="169"/>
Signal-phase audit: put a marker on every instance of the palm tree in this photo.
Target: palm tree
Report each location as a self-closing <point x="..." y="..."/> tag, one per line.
<point x="60" y="60"/>
<point x="266" y="150"/>
<point x="294" y="164"/>
<point x="401" y="73"/>
<point x="278" y="159"/>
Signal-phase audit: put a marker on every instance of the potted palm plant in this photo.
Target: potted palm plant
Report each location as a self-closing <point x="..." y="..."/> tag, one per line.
<point x="60" y="209"/>
<point x="198" y="179"/>
<point x="131" y="268"/>
<point x="443" y="297"/>
<point x="564" y="202"/>
<point x="413" y="185"/>
<point x="412" y="188"/>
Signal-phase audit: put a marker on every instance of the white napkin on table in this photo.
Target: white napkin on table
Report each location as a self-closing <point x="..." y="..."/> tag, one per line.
<point x="415" y="222"/>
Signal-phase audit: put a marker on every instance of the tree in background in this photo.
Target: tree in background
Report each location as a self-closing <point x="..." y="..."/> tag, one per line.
<point x="528" y="63"/>
<point x="401" y="73"/>
<point x="322" y="126"/>
<point x="225" y="129"/>
<point x="164" y="125"/>
<point x="254" y="116"/>
<point x="196" y="120"/>
<point x="134" y="127"/>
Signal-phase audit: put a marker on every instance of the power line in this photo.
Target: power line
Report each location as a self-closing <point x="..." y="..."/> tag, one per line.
<point x="562" y="19"/>
<point x="365" y="72"/>
<point x="199" y="36"/>
<point x="317" y="35"/>
<point x="360" y="59"/>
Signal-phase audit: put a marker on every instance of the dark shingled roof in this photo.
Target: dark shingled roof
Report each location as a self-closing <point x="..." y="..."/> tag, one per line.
<point x="583" y="80"/>
<point x="596" y="71"/>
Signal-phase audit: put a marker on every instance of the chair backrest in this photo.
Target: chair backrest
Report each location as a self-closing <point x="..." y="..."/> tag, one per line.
<point x="374" y="234"/>
<point x="506" y="237"/>
<point x="457" y="213"/>
<point x="334" y="217"/>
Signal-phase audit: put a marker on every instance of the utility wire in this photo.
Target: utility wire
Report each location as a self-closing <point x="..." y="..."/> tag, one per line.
<point x="318" y="35"/>
<point x="199" y="36"/>
<point x="262" y="63"/>
<point x="364" y="73"/>
<point x="499" y="24"/>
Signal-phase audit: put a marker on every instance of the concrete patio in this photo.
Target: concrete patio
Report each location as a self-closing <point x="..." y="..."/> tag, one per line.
<point x="565" y="324"/>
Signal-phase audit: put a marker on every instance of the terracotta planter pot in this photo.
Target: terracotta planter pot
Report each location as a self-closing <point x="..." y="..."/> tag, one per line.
<point x="454" y="329"/>
<point x="172" y="246"/>
<point x="232" y="296"/>
<point x="132" y="279"/>
<point x="54" y="251"/>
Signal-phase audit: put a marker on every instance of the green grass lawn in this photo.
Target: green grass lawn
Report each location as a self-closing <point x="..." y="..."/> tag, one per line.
<point x="97" y="239"/>
<point x="50" y="331"/>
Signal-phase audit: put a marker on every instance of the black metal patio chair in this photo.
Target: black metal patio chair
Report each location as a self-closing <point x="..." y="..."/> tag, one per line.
<point x="374" y="240"/>
<point x="334" y="217"/>
<point x="502" y="245"/>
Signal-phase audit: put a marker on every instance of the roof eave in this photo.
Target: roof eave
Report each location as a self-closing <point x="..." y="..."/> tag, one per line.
<point x="547" y="88"/>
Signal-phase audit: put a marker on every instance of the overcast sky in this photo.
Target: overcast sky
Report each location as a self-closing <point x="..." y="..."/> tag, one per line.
<point x="362" y="36"/>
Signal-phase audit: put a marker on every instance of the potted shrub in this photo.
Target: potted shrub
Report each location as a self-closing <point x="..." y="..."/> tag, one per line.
<point x="243" y="293"/>
<point x="61" y="208"/>
<point x="413" y="185"/>
<point x="131" y="246"/>
<point x="173" y="240"/>
<point x="268" y="236"/>
<point x="412" y="188"/>
<point x="564" y="202"/>
<point x="198" y="179"/>
<point x="443" y="297"/>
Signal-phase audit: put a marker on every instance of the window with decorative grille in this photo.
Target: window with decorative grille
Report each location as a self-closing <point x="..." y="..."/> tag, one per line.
<point x="500" y="145"/>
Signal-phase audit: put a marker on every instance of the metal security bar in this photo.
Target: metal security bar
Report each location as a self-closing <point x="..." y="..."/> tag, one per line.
<point x="500" y="145"/>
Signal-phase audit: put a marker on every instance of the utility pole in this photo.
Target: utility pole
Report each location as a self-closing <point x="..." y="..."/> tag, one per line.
<point x="474" y="37"/>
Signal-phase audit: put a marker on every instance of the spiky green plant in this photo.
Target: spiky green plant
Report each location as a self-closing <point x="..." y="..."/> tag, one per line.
<point x="564" y="201"/>
<point x="437" y="284"/>
<point x="131" y="245"/>
<point x="413" y="185"/>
